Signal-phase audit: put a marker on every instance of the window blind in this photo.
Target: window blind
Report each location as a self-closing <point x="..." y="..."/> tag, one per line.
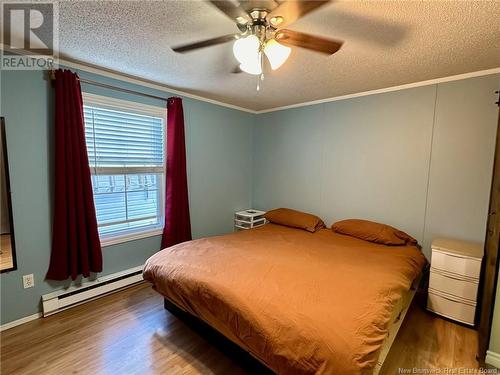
<point x="126" y="157"/>
<point x="122" y="139"/>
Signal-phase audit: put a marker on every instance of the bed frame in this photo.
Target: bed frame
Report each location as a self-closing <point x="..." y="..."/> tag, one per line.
<point x="396" y="325"/>
<point x="253" y="364"/>
<point x="244" y="358"/>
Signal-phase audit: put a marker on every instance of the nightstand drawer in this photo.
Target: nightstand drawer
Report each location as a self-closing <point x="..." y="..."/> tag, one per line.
<point x="453" y="284"/>
<point x="449" y="307"/>
<point x="246" y="225"/>
<point x="249" y="219"/>
<point x="470" y="267"/>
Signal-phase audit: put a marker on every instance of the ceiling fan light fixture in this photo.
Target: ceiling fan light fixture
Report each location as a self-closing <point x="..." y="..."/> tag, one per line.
<point x="241" y="20"/>
<point x="246" y="49"/>
<point x="253" y="65"/>
<point x="275" y="21"/>
<point x="276" y="53"/>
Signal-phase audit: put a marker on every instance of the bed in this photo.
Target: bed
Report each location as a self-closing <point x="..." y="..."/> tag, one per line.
<point x="300" y="302"/>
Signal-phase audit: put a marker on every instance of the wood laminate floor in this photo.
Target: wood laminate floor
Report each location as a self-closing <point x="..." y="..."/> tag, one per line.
<point x="129" y="332"/>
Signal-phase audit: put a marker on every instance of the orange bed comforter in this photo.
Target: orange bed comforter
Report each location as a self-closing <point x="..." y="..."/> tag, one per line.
<point x="303" y="303"/>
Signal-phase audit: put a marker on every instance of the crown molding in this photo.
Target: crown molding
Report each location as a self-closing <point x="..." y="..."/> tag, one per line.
<point x="91" y="68"/>
<point x="146" y="83"/>
<point x="435" y="81"/>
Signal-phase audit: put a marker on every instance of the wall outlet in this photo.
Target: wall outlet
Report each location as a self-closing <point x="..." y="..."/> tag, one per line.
<point x="28" y="281"/>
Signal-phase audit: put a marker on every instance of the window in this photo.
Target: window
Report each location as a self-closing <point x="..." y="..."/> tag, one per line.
<point x="125" y="144"/>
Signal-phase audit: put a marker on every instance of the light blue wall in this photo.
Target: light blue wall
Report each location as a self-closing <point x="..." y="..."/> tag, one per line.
<point x="418" y="159"/>
<point x="463" y="151"/>
<point x="219" y="154"/>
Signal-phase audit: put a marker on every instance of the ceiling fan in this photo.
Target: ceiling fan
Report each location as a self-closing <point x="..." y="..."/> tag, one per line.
<point x="262" y="33"/>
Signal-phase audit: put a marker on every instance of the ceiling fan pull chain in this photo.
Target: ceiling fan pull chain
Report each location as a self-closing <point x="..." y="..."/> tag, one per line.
<point x="260" y="77"/>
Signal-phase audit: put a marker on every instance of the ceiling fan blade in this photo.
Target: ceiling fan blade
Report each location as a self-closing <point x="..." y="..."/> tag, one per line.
<point x="204" y="43"/>
<point x="290" y="11"/>
<point x="312" y="42"/>
<point x="232" y="10"/>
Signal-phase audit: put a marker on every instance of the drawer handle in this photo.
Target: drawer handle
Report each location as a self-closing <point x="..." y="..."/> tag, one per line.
<point x="454" y="278"/>
<point x="459" y="256"/>
<point x="451" y="299"/>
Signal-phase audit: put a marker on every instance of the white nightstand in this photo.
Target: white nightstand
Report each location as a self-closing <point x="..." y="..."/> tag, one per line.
<point x="454" y="279"/>
<point x="249" y="219"/>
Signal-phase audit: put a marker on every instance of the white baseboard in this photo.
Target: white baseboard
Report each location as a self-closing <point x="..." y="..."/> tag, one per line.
<point x="18" y="322"/>
<point x="493" y="358"/>
<point x="73" y="288"/>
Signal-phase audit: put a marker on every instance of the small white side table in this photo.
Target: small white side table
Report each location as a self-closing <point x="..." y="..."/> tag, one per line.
<point x="249" y="219"/>
<point x="454" y="279"/>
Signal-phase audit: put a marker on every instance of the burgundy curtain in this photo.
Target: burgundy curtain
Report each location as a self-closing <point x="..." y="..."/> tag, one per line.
<point x="76" y="249"/>
<point x="177" y="223"/>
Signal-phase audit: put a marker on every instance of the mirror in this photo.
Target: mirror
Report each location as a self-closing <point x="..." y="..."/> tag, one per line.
<point x="7" y="246"/>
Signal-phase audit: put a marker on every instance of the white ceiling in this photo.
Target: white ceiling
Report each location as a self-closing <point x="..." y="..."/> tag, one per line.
<point x="387" y="43"/>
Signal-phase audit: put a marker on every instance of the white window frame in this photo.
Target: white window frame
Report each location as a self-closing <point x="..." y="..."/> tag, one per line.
<point x="142" y="109"/>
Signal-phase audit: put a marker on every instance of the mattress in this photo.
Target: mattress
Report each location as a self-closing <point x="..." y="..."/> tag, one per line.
<point x="302" y="303"/>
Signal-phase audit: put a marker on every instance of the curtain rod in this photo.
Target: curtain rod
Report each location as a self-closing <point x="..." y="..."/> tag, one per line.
<point x="52" y="76"/>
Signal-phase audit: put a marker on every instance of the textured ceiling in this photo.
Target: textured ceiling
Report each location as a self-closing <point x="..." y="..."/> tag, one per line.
<point x="386" y="44"/>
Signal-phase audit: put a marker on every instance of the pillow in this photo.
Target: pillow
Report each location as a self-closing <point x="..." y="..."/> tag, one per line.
<point x="373" y="232"/>
<point x="295" y="219"/>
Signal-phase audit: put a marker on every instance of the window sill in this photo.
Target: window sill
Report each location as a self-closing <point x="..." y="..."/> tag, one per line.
<point x="108" y="241"/>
